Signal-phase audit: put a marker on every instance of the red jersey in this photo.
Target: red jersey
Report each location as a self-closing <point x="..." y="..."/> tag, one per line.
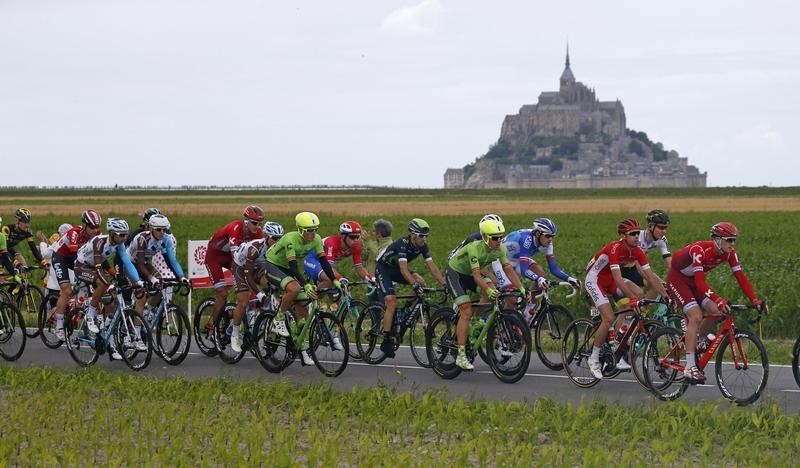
<point x="697" y="258"/>
<point x="231" y="235"/>
<point x="613" y="255"/>
<point x="335" y="250"/>
<point x="68" y="244"/>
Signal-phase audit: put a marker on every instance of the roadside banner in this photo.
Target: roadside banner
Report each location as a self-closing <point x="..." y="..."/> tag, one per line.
<point x="197" y="266"/>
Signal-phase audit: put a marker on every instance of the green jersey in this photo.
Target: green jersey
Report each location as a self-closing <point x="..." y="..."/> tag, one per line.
<point x="476" y="255"/>
<point x="293" y="245"/>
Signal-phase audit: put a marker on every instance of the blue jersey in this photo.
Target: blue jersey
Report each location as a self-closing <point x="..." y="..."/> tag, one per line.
<point x="522" y="246"/>
<point x="403" y="249"/>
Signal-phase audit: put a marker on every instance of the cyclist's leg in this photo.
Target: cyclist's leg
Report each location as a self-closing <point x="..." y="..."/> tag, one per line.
<point x="215" y="262"/>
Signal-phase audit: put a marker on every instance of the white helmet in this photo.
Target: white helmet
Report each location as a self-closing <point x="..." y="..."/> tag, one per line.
<point x="491" y="217"/>
<point x="273" y="229"/>
<point x="158" y="221"/>
<point x="117" y="225"/>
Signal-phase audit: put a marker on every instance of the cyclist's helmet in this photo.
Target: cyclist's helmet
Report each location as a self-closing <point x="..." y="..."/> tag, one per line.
<point x="159" y="221"/>
<point x="64" y="228"/>
<point x="419" y="226"/>
<point x="273" y="229"/>
<point x="254" y="213"/>
<point x="492" y="217"/>
<point x="117" y="225"/>
<point x="91" y="218"/>
<point x="724" y="229"/>
<point x="657" y="216"/>
<point x="306" y="220"/>
<point x="150" y="212"/>
<point x="545" y="226"/>
<point x="491" y="227"/>
<point x="350" y="227"/>
<point x="627" y="225"/>
<point x="24" y="215"/>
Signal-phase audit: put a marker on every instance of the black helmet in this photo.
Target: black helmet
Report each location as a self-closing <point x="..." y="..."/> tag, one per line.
<point x="23" y="215"/>
<point x="150" y="212"/>
<point x="657" y="216"/>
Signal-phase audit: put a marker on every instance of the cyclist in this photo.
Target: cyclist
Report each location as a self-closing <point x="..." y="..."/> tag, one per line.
<point x="65" y="251"/>
<point x="687" y="284"/>
<point x="144" y="226"/>
<point x="346" y="244"/>
<point x="218" y="253"/>
<point x="142" y="251"/>
<point x="18" y="232"/>
<point x="284" y="273"/>
<point x="604" y="280"/>
<point x="92" y="266"/>
<point x="652" y="238"/>
<point x="464" y="275"/>
<point x="46" y="248"/>
<point x="5" y="257"/>
<point x="249" y="268"/>
<point x="522" y="245"/>
<point x="392" y="266"/>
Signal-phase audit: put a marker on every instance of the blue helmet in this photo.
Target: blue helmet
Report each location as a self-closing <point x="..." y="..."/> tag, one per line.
<point x="545" y="226"/>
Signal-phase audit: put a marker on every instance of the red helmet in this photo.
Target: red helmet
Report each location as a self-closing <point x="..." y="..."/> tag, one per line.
<point x="91" y="218"/>
<point x="627" y="225"/>
<point x="724" y="229"/>
<point x="254" y="213"/>
<point x="350" y="227"/>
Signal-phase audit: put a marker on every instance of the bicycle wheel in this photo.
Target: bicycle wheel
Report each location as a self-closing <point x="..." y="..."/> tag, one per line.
<point x="330" y="357"/>
<point x="662" y="368"/>
<point x="28" y="302"/>
<point x="440" y="344"/>
<point x="795" y="363"/>
<point x="79" y="340"/>
<point x="203" y="327"/>
<point x="130" y="336"/>
<point x="349" y="319"/>
<point x="172" y="335"/>
<point x="47" y="322"/>
<point x="575" y="351"/>
<point x="549" y="333"/>
<point x="637" y="350"/>
<point x="416" y="337"/>
<point x="508" y="345"/>
<point x="272" y="350"/>
<point x="369" y="329"/>
<point x="12" y="332"/>
<point x="742" y="368"/>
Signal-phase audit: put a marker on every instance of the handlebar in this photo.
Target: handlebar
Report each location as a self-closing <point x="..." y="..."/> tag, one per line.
<point x="555" y="284"/>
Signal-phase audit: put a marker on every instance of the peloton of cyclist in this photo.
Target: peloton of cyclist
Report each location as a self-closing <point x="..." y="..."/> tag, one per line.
<point x="687" y="285"/>
<point x="464" y="275"/>
<point x="65" y="251"/>
<point x="284" y="273"/>
<point x="346" y="244"/>
<point x="604" y="280"/>
<point x="18" y="232"/>
<point x="392" y="266"/>
<point x="249" y="269"/>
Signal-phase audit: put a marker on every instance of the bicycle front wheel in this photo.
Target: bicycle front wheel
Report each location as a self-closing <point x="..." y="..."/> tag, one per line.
<point x="549" y="333"/>
<point x="742" y="368"/>
<point x="441" y="345"/>
<point x="416" y="338"/>
<point x="203" y="326"/>
<point x="637" y="350"/>
<point x="80" y="341"/>
<point x="575" y="351"/>
<point x="172" y="335"/>
<point x="328" y="345"/>
<point x="28" y="302"/>
<point x="662" y="364"/>
<point x="369" y="329"/>
<point x="349" y="319"/>
<point x="795" y="363"/>
<point x="133" y="340"/>
<point x="272" y="350"/>
<point x="508" y="345"/>
<point x="12" y="332"/>
<point x="47" y="322"/>
<point x="223" y="327"/>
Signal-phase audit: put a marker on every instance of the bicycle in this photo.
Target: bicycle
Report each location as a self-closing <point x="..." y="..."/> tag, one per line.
<point x="81" y="293"/>
<point x="505" y="335"/>
<point x="169" y="323"/>
<point x="741" y="367"/>
<point x="548" y="322"/>
<point x="578" y="342"/>
<point x="251" y="320"/>
<point x="412" y="317"/>
<point x="12" y="330"/>
<point x="327" y="339"/>
<point x="203" y="325"/>
<point x="26" y="296"/>
<point x="86" y="347"/>
<point x="348" y="311"/>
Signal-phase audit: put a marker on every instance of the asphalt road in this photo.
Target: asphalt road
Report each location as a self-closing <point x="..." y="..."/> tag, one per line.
<point x="403" y="374"/>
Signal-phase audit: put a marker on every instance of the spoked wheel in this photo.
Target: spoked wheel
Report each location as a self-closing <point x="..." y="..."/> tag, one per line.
<point x="328" y="344"/>
<point x="796" y="361"/>
<point x="742" y="368"/>
<point x="80" y="341"/>
<point x="349" y="319"/>
<point x="223" y="327"/>
<point x="508" y="345"/>
<point x="47" y="322"/>
<point x="203" y="326"/>
<point x="440" y="344"/>
<point x="416" y="337"/>
<point x="272" y="350"/>
<point x="12" y="332"/>
<point x="637" y="350"/>
<point x="133" y="340"/>
<point x="172" y="335"/>
<point x="575" y="351"/>
<point x="369" y="332"/>
<point x="549" y="333"/>
<point x="662" y="362"/>
<point x="28" y="305"/>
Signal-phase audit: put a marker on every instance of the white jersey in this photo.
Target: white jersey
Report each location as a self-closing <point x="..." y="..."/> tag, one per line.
<point x="660" y="244"/>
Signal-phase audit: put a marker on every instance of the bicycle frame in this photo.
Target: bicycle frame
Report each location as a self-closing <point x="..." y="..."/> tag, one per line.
<point x="545" y="302"/>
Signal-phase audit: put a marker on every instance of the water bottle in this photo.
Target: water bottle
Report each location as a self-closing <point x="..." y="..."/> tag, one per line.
<point x="624" y="328"/>
<point x="683" y="324"/>
<point x="251" y="318"/>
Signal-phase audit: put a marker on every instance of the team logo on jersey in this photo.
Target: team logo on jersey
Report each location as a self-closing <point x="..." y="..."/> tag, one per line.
<point x="528" y="242"/>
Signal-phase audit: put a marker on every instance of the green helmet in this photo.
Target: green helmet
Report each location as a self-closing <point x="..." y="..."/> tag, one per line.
<point x="491" y="227"/>
<point x="419" y="226"/>
<point x="306" y="220"/>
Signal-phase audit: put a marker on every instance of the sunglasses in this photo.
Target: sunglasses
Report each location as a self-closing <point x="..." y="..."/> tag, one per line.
<point x="422" y="236"/>
<point x="729" y="240"/>
<point x="496" y="238"/>
<point x="275" y="238"/>
<point x="354" y="237"/>
<point x="121" y="234"/>
<point x="633" y="233"/>
<point x="310" y="229"/>
<point x="158" y="229"/>
<point x="549" y="236"/>
<point x="662" y="226"/>
<point x="254" y="223"/>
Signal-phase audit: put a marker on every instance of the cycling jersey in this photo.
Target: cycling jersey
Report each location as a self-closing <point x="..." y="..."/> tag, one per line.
<point x="15" y="235"/>
<point x="144" y="247"/>
<point x="694" y="260"/>
<point x="474" y="255"/>
<point x="335" y="250"/>
<point x="5" y="258"/>
<point x="522" y="246"/>
<point x="250" y="255"/>
<point x="292" y="245"/>
<point x="599" y="282"/>
<point x="228" y="237"/>
<point x="403" y="250"/>
<point x="67" y="245"/>
<point x="99" y="249"/>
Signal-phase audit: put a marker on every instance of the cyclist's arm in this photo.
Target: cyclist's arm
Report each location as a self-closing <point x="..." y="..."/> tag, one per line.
<point x="435" y="271"/>
<point x="529" y="268"/>
<point x="508" y="268"/>
<point x="477" y="276"/>
<point x="653" y="280"/>
<point x="402" y="263"/>
<point x="555" y="269"/>
<point x="35" y="250"/>
<point x="326" y="266"/>
<point x="620" y="281"/>
<point x="744" y="283"/>
<point x="172" y="261"/>
<point x="123" y="256"/>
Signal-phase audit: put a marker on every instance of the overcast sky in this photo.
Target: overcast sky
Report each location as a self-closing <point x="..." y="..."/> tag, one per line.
<point x="377" y="92"/>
